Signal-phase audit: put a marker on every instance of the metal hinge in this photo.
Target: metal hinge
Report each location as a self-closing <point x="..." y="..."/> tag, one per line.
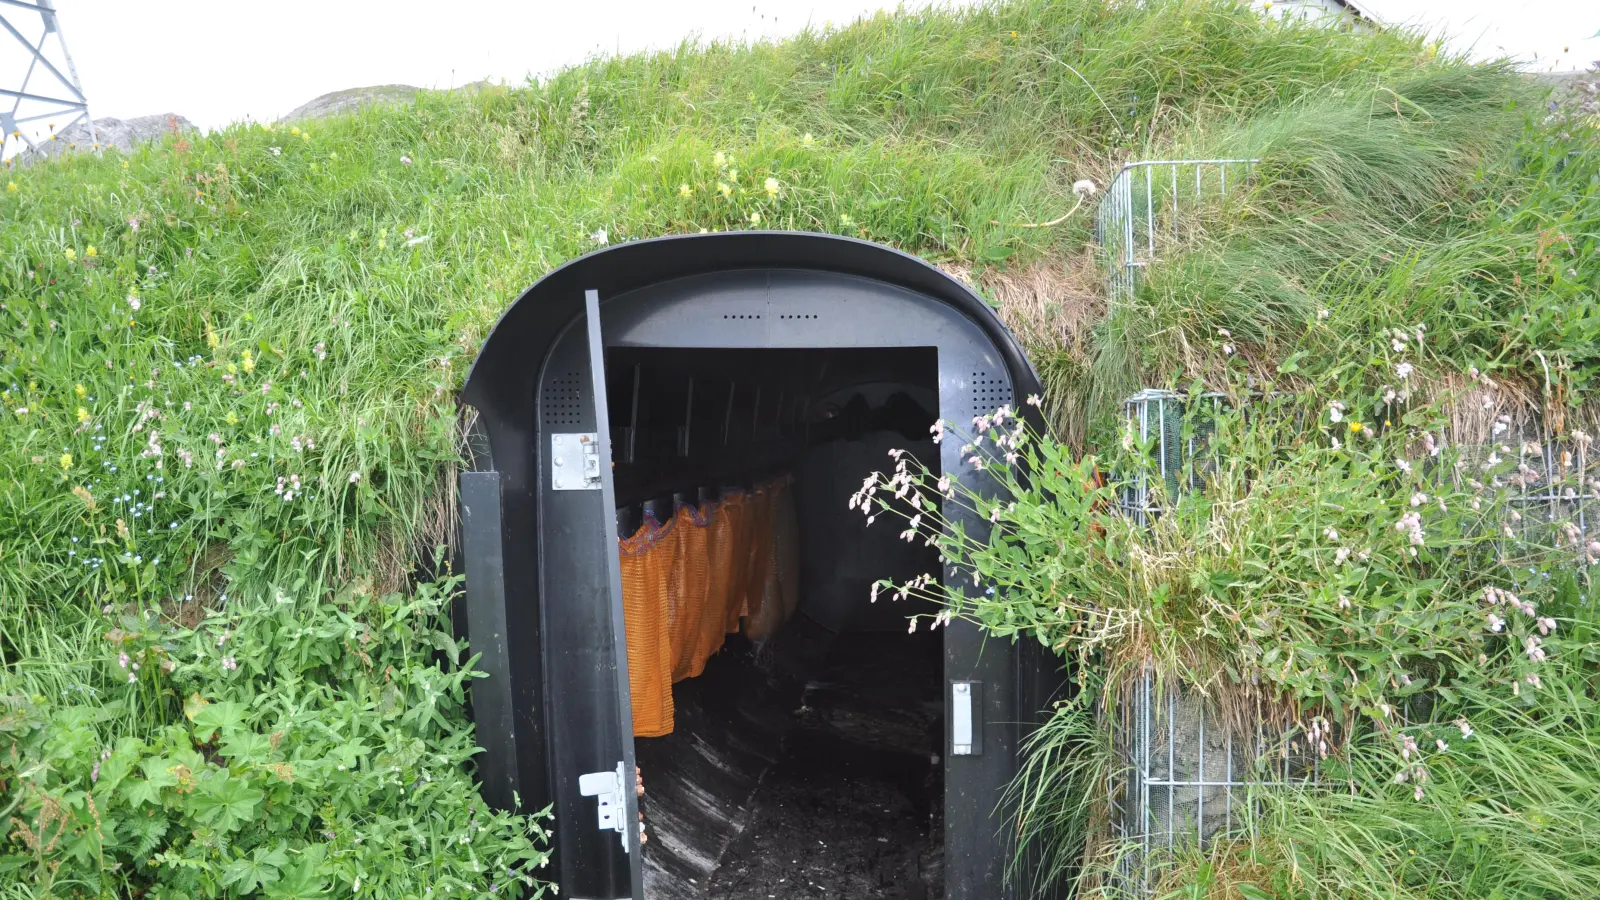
<point x="575" y="462"/>
<point x="608" y="787"/>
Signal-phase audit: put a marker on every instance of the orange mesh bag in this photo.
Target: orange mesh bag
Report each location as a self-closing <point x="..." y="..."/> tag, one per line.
<point x="724" y="594"/>
<point x="686" y="596"/>
<point x="646" y="559"/>
<point x="765" y="594"/>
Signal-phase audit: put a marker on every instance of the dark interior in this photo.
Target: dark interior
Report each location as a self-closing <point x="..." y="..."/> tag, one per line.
<point x="808" y="765"/>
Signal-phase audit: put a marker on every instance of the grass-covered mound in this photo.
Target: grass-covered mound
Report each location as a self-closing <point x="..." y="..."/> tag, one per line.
<point x="229" y="365"/>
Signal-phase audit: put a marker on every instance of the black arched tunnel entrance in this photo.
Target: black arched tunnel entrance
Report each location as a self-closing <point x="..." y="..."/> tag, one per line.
<point x="680" y="373"/>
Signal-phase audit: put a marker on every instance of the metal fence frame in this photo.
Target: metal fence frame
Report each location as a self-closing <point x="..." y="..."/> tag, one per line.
<point x="1144" y="208"/>
<point x="1148" y="795"/>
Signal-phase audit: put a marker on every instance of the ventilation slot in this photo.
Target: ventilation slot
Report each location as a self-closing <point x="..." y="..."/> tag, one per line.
<point x="798" y="316"/>
<point x="989" y="393"/>
<point x="563" y="401"/>
<point x="741" y="315"/>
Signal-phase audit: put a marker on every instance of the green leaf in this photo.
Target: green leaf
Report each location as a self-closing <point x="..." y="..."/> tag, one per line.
<point x="258" y="869"/>
<point x="224" y="802"/>
<point x="997" y="254"/>
<point x="213" y="717"/>
<point x="303" y="880"/>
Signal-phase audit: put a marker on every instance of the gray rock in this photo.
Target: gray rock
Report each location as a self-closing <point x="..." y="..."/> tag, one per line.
<point x="352" y="99"/>
<point x="123" y="134"/>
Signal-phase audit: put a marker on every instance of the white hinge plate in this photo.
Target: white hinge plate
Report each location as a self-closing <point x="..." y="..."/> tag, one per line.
<point x="607" y="787"/>
<point x="575" y="462"/>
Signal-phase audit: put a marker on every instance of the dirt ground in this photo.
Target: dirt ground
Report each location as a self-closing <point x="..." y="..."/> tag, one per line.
<point x="851" y="808"/>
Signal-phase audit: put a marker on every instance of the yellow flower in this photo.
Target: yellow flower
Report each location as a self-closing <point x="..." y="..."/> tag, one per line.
<point x="306" y="136"/>
<point x="295" y="131"/>
<point x="1355" y="427"/>
<point x="807" y="139"/>
<point x="11" y="186"/>
<point x="232" y="369"/>
<point x="723" y="189"/>
<point x="231" y="419"/>
<point x="124" y="164"/>
<point x="733" y="174"/>
<point x="720" y="159"/>
<point x="772" y="187"/>
<point x="755" y="218"/>
<point x="80" y="390"/>
<point x="683" y="190"/>
<point x="70" y="253"/>
<point x="334" y="157"/>
<point x="91" y="251"/>
<point x="66" y="461"/>
<point x="83" y="414"/>
<point x="247" y="362"/>
<point x="211" y="337"/>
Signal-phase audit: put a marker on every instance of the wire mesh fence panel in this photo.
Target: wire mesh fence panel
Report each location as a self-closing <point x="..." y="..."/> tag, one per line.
<point x="1185" y="771"/>
<point x="1152" y="204"/>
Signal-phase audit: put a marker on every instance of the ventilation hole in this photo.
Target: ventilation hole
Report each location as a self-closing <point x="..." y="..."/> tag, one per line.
<point x="798" y="316"/>
<point x="989" y="394"/>
<point x="741" y="315"/>
<point x="563" y="400"/>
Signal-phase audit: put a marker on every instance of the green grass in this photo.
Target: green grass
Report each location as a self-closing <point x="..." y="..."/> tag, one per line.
<point x="308" y="302"/>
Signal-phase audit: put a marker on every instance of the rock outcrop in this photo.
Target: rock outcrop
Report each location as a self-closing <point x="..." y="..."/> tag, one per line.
<point x="350" y="100"/>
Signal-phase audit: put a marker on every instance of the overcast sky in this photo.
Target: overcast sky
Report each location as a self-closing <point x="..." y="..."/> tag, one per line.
<point x="217" y="62"/>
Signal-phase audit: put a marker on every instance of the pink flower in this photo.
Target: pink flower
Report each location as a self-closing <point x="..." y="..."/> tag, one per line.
<point x="229" y="664"/>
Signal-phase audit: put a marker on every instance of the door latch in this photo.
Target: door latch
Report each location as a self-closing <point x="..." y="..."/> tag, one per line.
<point x="575" y="462"/>
<point x="608" y="787"/>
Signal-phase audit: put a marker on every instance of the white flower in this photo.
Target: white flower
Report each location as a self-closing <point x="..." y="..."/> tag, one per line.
<point x="1336" y="411"/>
<point x="1228" y="349"/>
<point x="417" y="240"/>
<point x="355" y="477"/>
<point x="1084" y="188"/>
<point x="1403" y="370"/>
<point x="133" y="303"/>
<point x="275" y="151"/>
<point x="600" y="237"/>
<point x="405" y="160"/>
<point x="1323" y="314"/>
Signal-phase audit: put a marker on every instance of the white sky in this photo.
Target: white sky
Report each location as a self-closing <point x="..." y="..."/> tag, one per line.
<point x="216" y="62"/>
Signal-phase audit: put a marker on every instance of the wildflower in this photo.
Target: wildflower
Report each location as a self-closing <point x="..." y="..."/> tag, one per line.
<point x="90" y="252"/>
<point x="846" y="221"/>
<point x="1344" y="602"/>
<point x="1466" y="729"/>
<point x="1228" y="349"/>
<point x="1532" y="678"/>
<point x="684" y="190"/>
<point x="1331" y="533"/>
<point x="720" y="159"/>
<point x="321" y="350"/>
<point x="11" y="186"/>
<point x="1341" y="556"/>
<point x="723" y="189"/>
<point x="1355" y="427"/>
<point x="1402" y="465"/>
<point x="807" y="140"/>
<point x="1084" y="188"/>
<point x="1546" y="624"/>
<point x="419" y="239"/>
<point x="937" y="430"/>
<point x="1035" y="400"/>
<point x="1403" y="370"/>
<point x="295" y="130"/>
<point x="70" y="253"/>
<point x="1532" y="649"/>
<point x="405" y="160"/>
<point x="66" y="461"/>
<point x="83" y="414"/>
<point x="1323" y="314"/>
<point x="771" y="185"/>
<point x="1336" y="411"/>
<point x="247" y="362"/>
<point x="275" y="151"/>
<point x="229" y="664"/>
<point x="1418" y="499"/>
<point x="755" y="218"/>
<point x="600" y="237"/>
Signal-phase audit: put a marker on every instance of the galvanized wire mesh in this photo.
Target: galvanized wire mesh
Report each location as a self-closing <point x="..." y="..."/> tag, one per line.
<point x="1185" y="772"/>
<point x="1153" y="203"/>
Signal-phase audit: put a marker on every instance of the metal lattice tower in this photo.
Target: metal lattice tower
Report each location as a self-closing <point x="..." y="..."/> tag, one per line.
<point x="40" y="93"/>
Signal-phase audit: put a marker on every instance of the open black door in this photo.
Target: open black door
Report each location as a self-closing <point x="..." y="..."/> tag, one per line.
<point x="585" y="654"/>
